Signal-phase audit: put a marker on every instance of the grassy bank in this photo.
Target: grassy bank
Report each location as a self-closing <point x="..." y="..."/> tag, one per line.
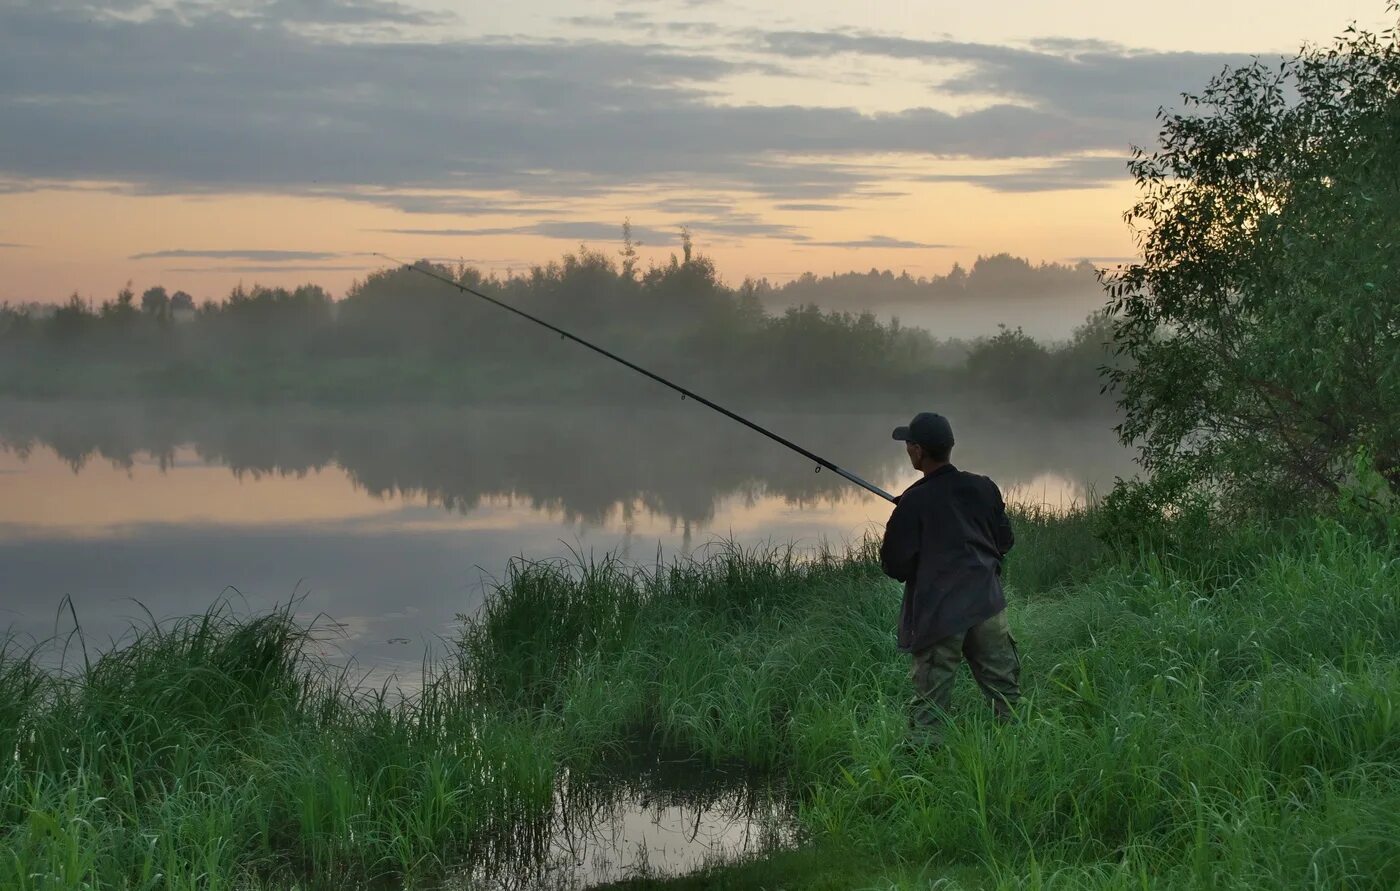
<point x="1217" y="710"/>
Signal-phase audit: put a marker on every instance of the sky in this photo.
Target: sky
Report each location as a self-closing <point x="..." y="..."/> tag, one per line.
<point x="198" y="144"/>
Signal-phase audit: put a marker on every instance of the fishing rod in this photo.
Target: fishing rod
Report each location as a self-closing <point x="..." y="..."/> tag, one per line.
<point x="685" y="394"/>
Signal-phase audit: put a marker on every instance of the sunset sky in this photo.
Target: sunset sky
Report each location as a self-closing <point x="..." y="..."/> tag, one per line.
<point x="197" y="143"/>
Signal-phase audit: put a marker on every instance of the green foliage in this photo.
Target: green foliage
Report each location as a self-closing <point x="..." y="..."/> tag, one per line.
<point x="156" y="302"/>
<point x="121" y="312"/>
<point x="1368" y="502"/>
<point x="70" y="320"/>
<point x="15" y="324"/>
<point x="213" y="751"/>
<point x="1263" y="325"/>
<point x="1008" y="364"/>
<point x="1056" y="549"/>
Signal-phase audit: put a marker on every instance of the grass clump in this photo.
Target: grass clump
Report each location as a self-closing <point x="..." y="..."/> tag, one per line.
<point x="213" y="752"/>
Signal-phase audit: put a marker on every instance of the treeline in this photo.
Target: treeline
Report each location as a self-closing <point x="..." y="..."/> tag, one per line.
<point x="993" y="278"/>
<point x="401" y="335"/>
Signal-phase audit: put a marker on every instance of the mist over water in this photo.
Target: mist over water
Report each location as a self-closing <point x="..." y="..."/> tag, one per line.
<point x="391" y="523"/>
<point x="1048" y="301"/>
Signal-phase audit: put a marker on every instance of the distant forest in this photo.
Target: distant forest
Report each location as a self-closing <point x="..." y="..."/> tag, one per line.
<point x="997" y="277"/>
<point x="401" y="336"/>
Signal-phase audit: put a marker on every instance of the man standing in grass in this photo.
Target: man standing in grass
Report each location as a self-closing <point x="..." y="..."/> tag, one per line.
<point x="945" y="541"/>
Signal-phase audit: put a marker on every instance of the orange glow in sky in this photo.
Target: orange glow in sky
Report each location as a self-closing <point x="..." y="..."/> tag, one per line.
<point x="821" y="136"/>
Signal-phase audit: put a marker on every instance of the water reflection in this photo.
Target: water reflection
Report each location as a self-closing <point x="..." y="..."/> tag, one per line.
<point x="394" y="522"/>
<point x="645" y="819"/>
<point x="594" y="465"/>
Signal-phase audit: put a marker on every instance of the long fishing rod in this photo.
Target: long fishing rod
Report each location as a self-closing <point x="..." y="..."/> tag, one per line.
<point x="685" y="394"/>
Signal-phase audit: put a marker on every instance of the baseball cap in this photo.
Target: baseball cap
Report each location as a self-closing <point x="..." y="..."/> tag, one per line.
<point x="926" y="429"/>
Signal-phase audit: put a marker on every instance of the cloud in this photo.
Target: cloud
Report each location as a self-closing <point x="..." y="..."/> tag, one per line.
<point x="724" y="223"/>
<point x="880" y="241"/>
<point x="430" y="232"/>
<point x="345" y="12"/>
<point x="722" y="218"/>
<point x="1071" y="173"/>
<point x="573" y="230"/>
<point x="588" y="230"/>
<point x="748" y="225"/>
<point x="629" y="20"/>
<point x="254" y="267"/>
<point x="480" y="261"/>
<point x="364" y="100"/>
<point x="238" y="254"/>
<point x="263" y="107"/>
<point x="602" y="231"/>
<point x="1087" y="79"/>
<point x="440" y="203"/>
<point x="20" y="186"/>
<point x="1104" y="259"/>
<point x="1075" y="44"/>
<point x="260" y="107"/>
<point x="694" y="206"/>
<point x="13" y="244"/>
<point x="699" y="29"/>
<point x="623" y="18"/>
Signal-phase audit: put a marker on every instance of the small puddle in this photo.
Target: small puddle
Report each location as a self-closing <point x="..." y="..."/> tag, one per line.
<point x="668" y="818"/>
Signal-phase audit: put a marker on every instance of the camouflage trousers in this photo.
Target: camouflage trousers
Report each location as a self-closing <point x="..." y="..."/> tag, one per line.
<point x="990" y="651"/>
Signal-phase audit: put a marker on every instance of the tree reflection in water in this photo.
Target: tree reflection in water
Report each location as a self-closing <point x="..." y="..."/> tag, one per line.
<point x="585" y="464"/>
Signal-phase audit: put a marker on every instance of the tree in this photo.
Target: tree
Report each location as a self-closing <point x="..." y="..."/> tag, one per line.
<point x="71" y="319"/>
<point x="14" y="322"/>
<point x="1262" y="327"/>
<point x="155" y="302"/>
<point x="1009" y="365"/>
<point x="956" y="279"/>
<point x="629" y="250"/>
<point x="120" y="312"/>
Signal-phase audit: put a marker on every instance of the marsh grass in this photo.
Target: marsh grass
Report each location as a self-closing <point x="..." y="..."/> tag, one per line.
<point x="1056" y="548"/>
<point x="213" y="751"/>
<point x="1210" y="710"/>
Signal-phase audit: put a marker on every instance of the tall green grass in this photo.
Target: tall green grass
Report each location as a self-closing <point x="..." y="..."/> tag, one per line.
<point x="1210" y="710"/>
<point x="213" y="752"/>
<point x="1182" y="732"/>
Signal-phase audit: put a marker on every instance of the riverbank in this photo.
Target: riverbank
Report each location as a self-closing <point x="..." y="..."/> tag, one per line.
<point x="1217" y="709"/>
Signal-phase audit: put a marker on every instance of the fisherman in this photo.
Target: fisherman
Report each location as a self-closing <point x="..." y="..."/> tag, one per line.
<point x="946" y="540"/>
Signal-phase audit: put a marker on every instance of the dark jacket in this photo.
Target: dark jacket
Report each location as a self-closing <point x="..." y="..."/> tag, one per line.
<point x="945" y="541"/>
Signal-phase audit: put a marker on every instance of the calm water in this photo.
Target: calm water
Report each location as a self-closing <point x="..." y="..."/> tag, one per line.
<point x="646" y="818"/>
<point x="391" y="524"/>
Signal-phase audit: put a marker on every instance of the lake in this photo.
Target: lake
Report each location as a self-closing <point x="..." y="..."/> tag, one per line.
<point x="390" y="524"/>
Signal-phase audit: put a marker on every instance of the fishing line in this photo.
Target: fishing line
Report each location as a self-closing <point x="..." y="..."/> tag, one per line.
<point x="685" y="393"/>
